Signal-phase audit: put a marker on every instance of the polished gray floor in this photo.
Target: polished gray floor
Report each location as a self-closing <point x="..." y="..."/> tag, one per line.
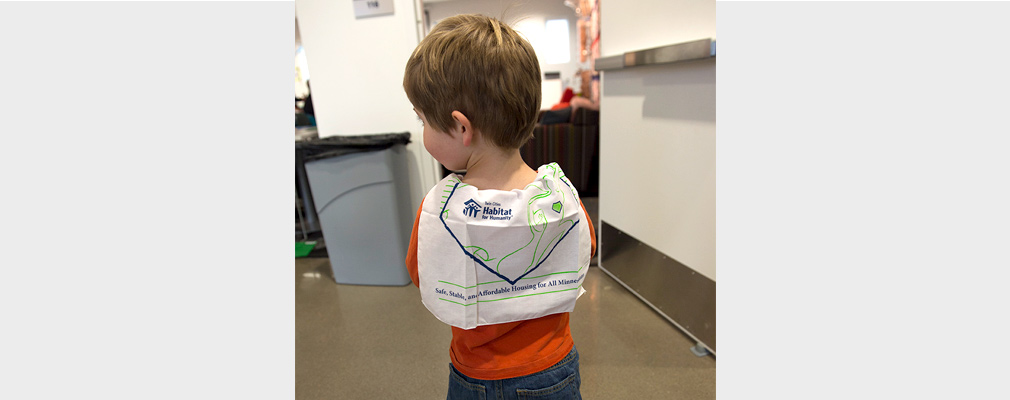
<point x="374" y="342"/>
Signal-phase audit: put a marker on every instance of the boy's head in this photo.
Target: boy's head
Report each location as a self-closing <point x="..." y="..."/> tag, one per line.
<point x="482" y="68"/>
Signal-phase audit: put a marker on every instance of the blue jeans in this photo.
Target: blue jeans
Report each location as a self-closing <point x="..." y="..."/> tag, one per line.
<point x="560" y="381"/>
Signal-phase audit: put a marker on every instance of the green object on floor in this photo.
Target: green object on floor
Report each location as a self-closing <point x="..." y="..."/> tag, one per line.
<point x="303" y="249"/>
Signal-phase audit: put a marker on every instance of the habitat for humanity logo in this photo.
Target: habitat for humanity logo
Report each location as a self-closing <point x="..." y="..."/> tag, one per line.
<point x="491" y="210"/>
<point x="472" y="208"/>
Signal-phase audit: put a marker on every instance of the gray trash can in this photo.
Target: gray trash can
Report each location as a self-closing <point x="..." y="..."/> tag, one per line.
<point x="359" y="188"/>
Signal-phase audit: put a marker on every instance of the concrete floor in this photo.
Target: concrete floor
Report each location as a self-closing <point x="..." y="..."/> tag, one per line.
<point x="376" y="342"/>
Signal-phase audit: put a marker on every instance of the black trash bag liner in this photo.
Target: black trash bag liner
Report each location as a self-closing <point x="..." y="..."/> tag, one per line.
<point x="333" y="146"/>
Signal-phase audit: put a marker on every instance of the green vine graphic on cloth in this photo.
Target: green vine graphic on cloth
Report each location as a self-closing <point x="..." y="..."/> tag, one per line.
<point x="538" y="224"/>
<point x="544" y="235"/>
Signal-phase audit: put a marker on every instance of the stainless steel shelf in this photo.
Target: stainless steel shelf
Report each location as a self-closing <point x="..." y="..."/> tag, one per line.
<point x="680" y="52"/>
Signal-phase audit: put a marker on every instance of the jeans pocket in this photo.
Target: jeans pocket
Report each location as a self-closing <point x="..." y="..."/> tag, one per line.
<point x="460" y="389"/>
<point x="566" y="389"/>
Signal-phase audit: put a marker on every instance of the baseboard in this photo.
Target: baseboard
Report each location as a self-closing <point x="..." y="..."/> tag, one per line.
<point x="675" y="291"/>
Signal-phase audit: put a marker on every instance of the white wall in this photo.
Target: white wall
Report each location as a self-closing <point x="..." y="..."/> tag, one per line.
<point x="641" y="24"/>
<point x="301" y="66"/>
<point x="301" y="73"/>
<point x="657" y="131"/>
<point x="528" y="17"/>
<point x="357" y="75"/>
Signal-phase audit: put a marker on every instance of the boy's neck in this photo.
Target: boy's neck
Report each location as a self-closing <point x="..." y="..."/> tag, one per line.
<point x="495" y="169"/>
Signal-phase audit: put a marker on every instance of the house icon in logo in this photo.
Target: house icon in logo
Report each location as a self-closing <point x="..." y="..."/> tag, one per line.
<point x="472" y="208"/>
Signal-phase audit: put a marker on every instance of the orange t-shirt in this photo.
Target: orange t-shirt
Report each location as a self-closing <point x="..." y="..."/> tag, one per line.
<point x="508" y="350"/>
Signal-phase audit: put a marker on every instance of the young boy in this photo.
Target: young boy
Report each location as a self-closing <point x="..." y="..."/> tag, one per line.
<point x="499" y="253"/>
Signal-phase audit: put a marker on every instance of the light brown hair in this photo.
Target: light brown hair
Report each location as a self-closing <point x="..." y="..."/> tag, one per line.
<point x="481" y="67"/>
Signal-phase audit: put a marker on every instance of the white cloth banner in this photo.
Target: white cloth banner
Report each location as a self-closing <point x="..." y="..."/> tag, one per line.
<point x="492" y="256"/>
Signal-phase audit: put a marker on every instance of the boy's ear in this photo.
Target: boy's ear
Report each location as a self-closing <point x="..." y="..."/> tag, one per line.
<point x="464" y="127"/>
